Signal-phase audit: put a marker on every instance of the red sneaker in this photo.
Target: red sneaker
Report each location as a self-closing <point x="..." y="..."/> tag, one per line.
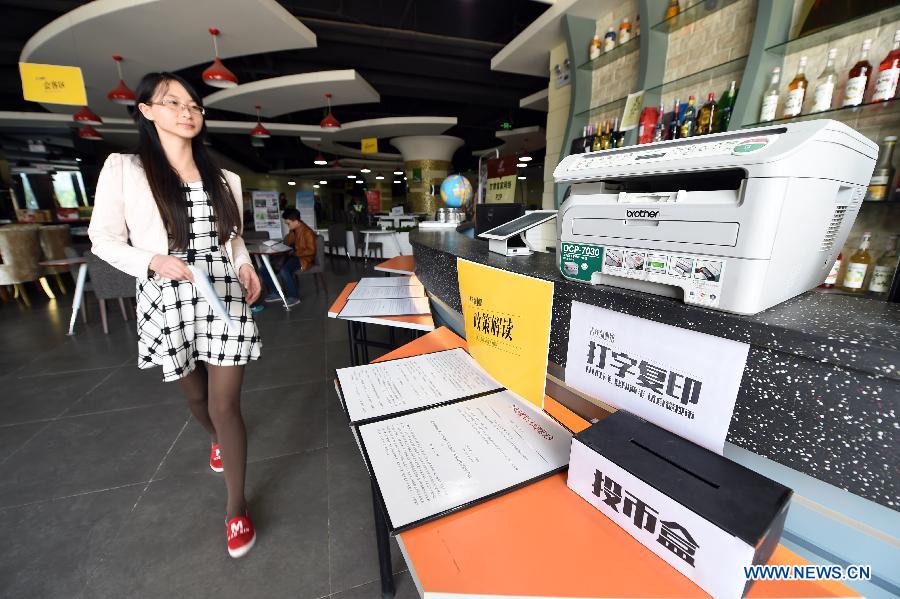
<point x="240" y="534"/>
<point x="215" y="459"/>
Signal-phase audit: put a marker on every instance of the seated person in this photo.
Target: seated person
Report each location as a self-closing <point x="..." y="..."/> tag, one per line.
<point x="303" y="240"/>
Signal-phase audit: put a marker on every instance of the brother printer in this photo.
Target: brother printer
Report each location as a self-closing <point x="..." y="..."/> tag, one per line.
<point x="736" y="221"/>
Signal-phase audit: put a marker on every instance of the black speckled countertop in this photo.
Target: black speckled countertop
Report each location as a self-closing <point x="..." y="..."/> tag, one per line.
<point x="821" y="389"/>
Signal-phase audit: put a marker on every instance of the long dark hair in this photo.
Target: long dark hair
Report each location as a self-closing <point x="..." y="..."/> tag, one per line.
<point x="167" y="188"/>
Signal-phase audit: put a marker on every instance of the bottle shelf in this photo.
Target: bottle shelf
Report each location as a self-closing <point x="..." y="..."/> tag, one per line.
<point x="700" y="76"/>
<point x="867" y="22"/>
<point x="692" y="14"/>
<point x="613" y="55"/>
<point x="618" y="103"/>
<point x="865" y="116"/>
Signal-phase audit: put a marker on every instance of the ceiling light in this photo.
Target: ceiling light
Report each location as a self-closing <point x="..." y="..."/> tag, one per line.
<point x="397" y="181"/>
<point x="89" y="133"/>
<point x="121" y="94"/>
<point x="316" y="186"/>
<point x="360" y="181"/>
<point x="521" y="177"/>
<point x="365" y="170"/>
<point x="398" y="172"/>
<point x="86" y="116"/>
<point x="379" y="177"/>
<point x="323" y="182"/>
<point x="351" y="176"/>
<point x="77" y="159"/>
<point x="259" y="131"/>
<point x="525" y="158"/>
<point x="216" y="74"/>
<point x="329" y="122"/>
<point x="404" y="178"/>
<point x="521" y="164"/>
<point x="292" y="182"/>
<point x="320" y="160"/>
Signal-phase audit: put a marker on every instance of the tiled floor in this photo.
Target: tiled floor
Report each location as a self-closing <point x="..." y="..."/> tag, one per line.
<point x="105" y="489"/>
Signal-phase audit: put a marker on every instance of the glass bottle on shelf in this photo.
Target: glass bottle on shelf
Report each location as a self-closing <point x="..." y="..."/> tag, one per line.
<point x="770" y="97"/>
<point x="858" y="78"/>
<point x="609" y="40"/>
<point x="858" y="266"/>
<point x="880" y="283"/>
<point x="831" y="279"/>
<point x="793" y="103"/>
<point x="689" y="119"/>
<point x="596" y="44"/>
<point x="707" y="115"/>
<point x="606" y="137"/>
<point x="597" y="143"/>
<point x="883" y="175"/>
<point x="824" y="91"/>
<point x="888" y="73"/>
<point x="674" y="130"/>
<point x="618" y="137"/>
<point x="726" y="106"/>
<point x="659" y="132"/>
<point x="672" y="9"/>
<point x="624" y="31"/>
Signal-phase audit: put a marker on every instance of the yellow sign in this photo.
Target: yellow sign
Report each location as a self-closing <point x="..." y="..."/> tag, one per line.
<point x="370" y="145"/>
<point x="501" y="190"/>
<point x="507" y="326"/>
<point x="631" y="116"/>
<point x="52" y="84"/>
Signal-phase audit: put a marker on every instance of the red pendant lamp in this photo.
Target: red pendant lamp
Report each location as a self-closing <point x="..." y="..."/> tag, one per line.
<point x="89" y="133"/>
<point x="320" y="160"/>
<point x="121" y="94"/>
<point x="86" y="116"/>
<point x="337" y="164"/>
<point x="329" y="122"/>
<point x="216" y="74"/>
<point x="259" y="132"/>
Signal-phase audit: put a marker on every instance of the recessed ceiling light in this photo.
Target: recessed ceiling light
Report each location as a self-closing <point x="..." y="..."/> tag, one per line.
<point x="77" y="159"/>
<point x="323" y="182"/>
<point x="351" y="176"/>
<point x="380" y="177"/>
<point x="397" y="181"/>
<point x="315" y="186"/>
<point x="404" y="178"/>
<point x="360" y="181"/>
<point x="524" y="158"/>
<point x="520" y="178"/>
<point x="365" y="170"/>
<point x="398" y="172"/>
<point x="521" y="165"/>
<point x="292" y="182"/>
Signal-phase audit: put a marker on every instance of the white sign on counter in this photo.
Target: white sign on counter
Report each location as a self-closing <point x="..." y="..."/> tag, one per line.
<point x="684" y="381"/>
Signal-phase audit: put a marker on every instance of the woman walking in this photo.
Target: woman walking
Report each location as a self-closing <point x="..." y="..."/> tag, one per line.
<point x="163" y="215"/>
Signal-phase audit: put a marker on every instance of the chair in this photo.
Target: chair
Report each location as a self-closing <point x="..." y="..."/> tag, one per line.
<point x="109" y="283"/>
<point x="20" y="254"/>
<point x="359" y="240"/>
<point x="337" y="239"/>
<point x="318" y="267"/>
<point x="54" y="241"/>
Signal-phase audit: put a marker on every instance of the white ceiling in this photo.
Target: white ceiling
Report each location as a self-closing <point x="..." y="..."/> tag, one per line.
<point x="539" y="100"/>
<point x="516" y="141"/>
<point x="89" y="35"/>
<point x="291" y="93"/>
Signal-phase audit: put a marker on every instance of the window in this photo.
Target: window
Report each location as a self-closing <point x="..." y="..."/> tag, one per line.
<point x="31" y="202"/>
<point x="69" y="188"/>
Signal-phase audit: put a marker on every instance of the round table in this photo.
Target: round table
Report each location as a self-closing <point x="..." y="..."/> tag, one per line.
<point x="370" y="232"/>
<point x="81" y="263"/>
<point x="262" y="253"/>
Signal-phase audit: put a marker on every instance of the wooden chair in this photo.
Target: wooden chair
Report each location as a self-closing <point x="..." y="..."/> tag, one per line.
<point x="54" y="241"/>
<point x="20" y="254"/>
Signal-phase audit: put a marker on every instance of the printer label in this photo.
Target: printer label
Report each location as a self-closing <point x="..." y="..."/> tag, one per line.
<point x="580" y="261"/>
<point x="641" y="213"/>
<point x="751" y="145"/>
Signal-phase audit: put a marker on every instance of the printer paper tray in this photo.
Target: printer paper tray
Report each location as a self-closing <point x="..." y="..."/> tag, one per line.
<point x="673" y="231"/>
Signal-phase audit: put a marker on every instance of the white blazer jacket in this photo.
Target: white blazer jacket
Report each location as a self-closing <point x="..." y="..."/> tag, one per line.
<point x="124" y="210"/>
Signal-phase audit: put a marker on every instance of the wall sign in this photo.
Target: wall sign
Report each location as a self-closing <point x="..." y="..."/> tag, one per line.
<point x="266" y="214"/>
<point x="52" y="84"/>
<point x="501" y="180"/>
<point x="369" y="145"/>
<point x="684" y="381"/>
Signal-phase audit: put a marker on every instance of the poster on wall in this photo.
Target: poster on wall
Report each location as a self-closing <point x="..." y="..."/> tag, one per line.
<point x="645" y="367"/>
<point x="306" y="204"/>
<point x="507" y="319"/>
<point x="266" y="214"/>
<point x="501" y="181"/>
<point x="373" y="201"/>
<point x="482" y="180"/>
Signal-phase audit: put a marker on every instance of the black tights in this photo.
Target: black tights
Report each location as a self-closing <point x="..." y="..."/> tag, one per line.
<point x="214" y="397"/>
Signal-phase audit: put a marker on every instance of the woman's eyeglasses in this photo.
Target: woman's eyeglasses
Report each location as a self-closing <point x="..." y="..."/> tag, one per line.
<point x="177" y="107"/>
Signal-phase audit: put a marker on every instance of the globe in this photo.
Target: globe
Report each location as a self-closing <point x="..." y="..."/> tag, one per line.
<point x="456" y="191"/>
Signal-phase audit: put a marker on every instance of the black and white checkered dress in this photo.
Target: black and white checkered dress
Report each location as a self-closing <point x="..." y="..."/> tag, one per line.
<point x="176" y="327"/>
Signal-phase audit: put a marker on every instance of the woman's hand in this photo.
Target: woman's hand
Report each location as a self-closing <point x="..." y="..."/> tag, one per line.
<point x="170" y="267"/>
<point x="250" y="281"/>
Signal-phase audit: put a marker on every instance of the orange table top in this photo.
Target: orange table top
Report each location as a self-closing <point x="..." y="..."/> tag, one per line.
<point x="404" y="265"/>
<point x="544" y="540"/>
<point x="421" y="322"/>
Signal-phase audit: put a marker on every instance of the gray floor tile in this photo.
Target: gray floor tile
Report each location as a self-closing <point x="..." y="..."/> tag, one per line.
<point x="49" y="548"/>
<point x="277" y="335"/>
<point x="404" y="588"/>
<point x="338" y="424"/>
<point x="85" y="351"/>
<point x="15" y="436"/>
<point x="42" y="397"/>
<point x="354" y="555"/>
<point x="87" y="453"/>
<point x="286" y="367"/>
<point x="174" y="543"/>
<point x="128" y="387"/>
<point x="278" y="422"/>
